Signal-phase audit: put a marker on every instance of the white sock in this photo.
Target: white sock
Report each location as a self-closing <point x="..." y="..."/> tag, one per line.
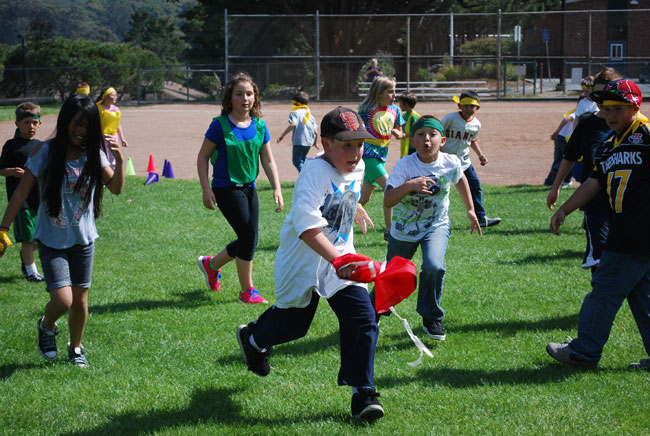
<point x="257" y="347"/>
<point x="31" y="269"/>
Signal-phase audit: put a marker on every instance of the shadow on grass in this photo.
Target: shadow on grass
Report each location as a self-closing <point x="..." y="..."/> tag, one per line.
<point x="186" y="300"/>
<point x="8" y="370"/>
<point x="547" y="372"/>
<point x="207" y="406"/>
<point x="10" y="279"/>
<point x="545" y="258"/>
<point x="567" y="322"/>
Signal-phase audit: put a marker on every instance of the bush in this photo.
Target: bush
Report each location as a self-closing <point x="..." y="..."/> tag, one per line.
<point x="452" y="73"/>
<point x="487" y="47"/>
<point x="211" y="84"/>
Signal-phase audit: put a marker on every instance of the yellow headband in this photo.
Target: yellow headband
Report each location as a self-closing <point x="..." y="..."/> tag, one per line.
<point x="585" y="87"/>
<point x="616" y="103"/>
<point x="84" y="90"/>
<point x="465" y="100"/>
<point x="108" y="91"/>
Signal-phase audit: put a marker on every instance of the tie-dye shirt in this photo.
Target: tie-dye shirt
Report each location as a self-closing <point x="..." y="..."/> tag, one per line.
<point x="379" y="122"/>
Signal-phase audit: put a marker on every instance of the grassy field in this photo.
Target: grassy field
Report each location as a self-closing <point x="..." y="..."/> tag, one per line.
<point x="165" y="361"/>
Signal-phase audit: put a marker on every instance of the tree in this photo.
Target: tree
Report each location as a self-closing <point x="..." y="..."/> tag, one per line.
<point x="159" y="35"/>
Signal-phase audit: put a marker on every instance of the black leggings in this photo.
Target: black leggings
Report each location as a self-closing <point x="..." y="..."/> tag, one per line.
<point x="241" y="209"/>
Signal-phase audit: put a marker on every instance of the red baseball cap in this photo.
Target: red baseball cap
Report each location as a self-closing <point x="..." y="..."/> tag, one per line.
<point x="623" y="90"/>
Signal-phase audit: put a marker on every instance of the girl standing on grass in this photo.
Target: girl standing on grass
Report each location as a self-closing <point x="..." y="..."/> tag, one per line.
<point x="110" y="115"/>
<point x="234" y="144"/>
<point x="383" y="120"/>
<point x="71" y="170"/>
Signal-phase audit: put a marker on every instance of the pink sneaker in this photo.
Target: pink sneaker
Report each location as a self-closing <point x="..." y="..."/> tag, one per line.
<point x="251" y="296"/>
<point x="211" y="276"/>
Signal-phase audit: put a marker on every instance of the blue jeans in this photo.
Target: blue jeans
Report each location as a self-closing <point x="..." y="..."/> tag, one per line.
<point x="619" y="276"/>
<point x="299" y="156"/>
<point x="477" y="194"/>
<point x="432" y="272"/>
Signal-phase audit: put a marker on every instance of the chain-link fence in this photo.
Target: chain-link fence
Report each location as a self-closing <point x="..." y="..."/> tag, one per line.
<point x="510" y="54"/>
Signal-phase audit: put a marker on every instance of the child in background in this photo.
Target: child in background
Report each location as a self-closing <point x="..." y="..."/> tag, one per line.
<point x="318" y="229"/>
<point x="305" y="129"/>
<point x="234" y="144"/>
<point x="110" y="115"/>
<point x="418" y="192"/>
<point x="623" y="173"/>
<point x="561" y="135"/>
<point x="14" y="155"/>
<point x="462" y="131"/>
<point x="407" y="102"/>
<point x="71" y="171"/>
<point x="383" y="120"/>
<point x="586" y="145"/>
<point x="83" y="89"/>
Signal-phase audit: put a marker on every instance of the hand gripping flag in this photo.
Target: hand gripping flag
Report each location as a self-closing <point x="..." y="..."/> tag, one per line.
<point x="394" y="282"/>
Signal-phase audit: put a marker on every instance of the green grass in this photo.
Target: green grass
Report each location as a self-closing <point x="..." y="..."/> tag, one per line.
<point x="8" y="113"/>
<point x="165" y="361"/>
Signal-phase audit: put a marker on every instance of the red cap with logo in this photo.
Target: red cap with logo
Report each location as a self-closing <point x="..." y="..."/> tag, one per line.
<point x="624" y="91"/>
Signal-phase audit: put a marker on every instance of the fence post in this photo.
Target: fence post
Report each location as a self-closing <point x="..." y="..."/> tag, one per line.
<point x="499" y="53"/>
<point x="408" y="53"/>
<point x="226" y="66"/>
<point x="139" y="82"/>
<point x="535" y="77"/>
<point x="505" y="77"/>
<point x="187" y="82"/>
<point x="451" y="38"/>
<point x="317" y="55"/>
<point x="589" y="47"/>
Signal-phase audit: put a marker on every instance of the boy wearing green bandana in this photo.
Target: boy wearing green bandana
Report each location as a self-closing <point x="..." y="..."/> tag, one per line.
<point x="12" y="166"/>
<point x="418" y="191"/>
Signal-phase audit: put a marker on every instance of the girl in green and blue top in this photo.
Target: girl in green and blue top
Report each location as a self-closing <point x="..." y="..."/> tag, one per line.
<point x="234" y="144"/>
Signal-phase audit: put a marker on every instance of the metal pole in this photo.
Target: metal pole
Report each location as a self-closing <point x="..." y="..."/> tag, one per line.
<point x="226" y="66"/>
<point x="451" y="38"/>
<point x="589" y="47"/>
<point x="408" y="54"/>
<point x="317" y="56"/>
<point x="139" y="85"/>
<point x="187" y="82"/>
<point x="22" y="43"/>
<point x="499" y="54"/>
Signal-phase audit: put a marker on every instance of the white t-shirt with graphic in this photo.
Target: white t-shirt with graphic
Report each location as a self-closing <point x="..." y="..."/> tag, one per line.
<point x="460" y="134"/>
<point x="326" y="199"/>
<point x="417" y="214"/>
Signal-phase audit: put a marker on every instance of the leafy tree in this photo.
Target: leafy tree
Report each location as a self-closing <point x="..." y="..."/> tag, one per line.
<point x="159" y="35"/>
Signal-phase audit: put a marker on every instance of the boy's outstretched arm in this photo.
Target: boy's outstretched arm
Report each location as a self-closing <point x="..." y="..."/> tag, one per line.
<point x="393" y="195"/>
<point x="317" y="241"/>
<point x="463" y="190"/>
<point x="585" y="192"/>
<point x="477" y="149"/>
<point x="289" y="128"/>
<point x="554" y="193"/>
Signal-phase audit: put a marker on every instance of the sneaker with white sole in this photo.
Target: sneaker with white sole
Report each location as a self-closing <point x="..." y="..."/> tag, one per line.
<point x="641" y="364"/>
<point x="251" y="296"/>
<point x="365" y="405"/>
<point x="77" y="356"/>
<point x="563" y="353"/>
<point x="257" y="361"/>
<point x="36" y="278"/>
<point x="434" y="329"/>
<point x="47" y="341"/>
<point x="489" y="222"/>
<point x="211" y="276"/>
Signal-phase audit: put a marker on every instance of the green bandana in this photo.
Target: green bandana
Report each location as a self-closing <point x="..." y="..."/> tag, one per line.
<point x="427" y="122"/>
<point x="27" y="115"/>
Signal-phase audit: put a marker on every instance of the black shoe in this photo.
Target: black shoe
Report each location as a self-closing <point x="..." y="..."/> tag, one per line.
<point x="366" y="406"/>
<point x="489" y="222"/>
<point x="386" y="235"/>
<point x="77" y="356"/>
<point x="257" y="361"/>
<point x="642" y="364"/>
<point x="434" y="329"/>
<point x="47" y="341"/>
<point x="36" y="277"/>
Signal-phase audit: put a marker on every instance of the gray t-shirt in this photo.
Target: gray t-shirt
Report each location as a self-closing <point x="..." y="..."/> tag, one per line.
<point x="73" y="225"/>
<point x="303" y="134"/>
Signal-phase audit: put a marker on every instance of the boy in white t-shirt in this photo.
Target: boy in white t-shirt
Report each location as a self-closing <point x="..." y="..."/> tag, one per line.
<point x="318" y="229"/>
<point x="305" y="129"/>
<point x="462" y="129"/>
<point x="418" y="192"/>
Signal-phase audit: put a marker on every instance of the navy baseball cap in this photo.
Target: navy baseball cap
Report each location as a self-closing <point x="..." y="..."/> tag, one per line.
<point x="343" y="124"/>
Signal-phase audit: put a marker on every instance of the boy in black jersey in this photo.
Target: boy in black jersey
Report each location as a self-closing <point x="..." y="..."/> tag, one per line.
<point x="623" y="172"/>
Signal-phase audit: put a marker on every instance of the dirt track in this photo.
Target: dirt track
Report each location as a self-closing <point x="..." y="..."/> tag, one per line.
<point x="514" y="136"/>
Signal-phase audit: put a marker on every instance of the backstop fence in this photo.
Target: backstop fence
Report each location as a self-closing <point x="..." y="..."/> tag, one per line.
<point x="516" y="54"/>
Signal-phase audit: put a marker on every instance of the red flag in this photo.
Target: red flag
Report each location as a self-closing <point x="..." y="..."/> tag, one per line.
<point x="392" y="285"/>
